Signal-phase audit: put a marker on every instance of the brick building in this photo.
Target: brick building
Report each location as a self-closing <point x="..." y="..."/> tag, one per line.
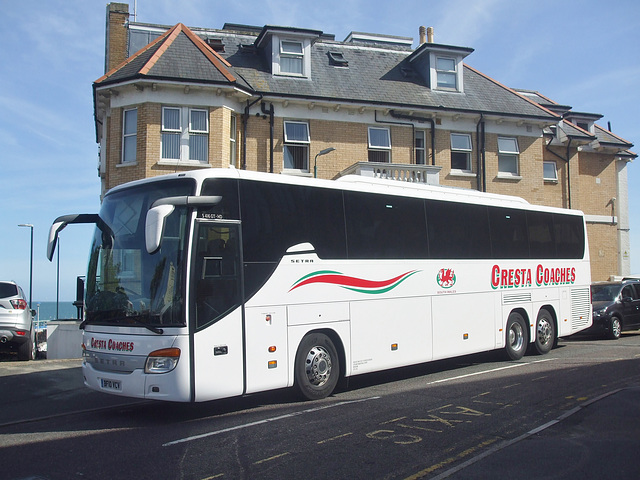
<point x="298" y="102"/>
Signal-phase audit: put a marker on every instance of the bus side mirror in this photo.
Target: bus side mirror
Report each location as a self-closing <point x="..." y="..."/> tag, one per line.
<point x="154" y="226"/>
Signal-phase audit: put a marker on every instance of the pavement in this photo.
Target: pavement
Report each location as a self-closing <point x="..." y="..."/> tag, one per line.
<point x="595" y="440"/>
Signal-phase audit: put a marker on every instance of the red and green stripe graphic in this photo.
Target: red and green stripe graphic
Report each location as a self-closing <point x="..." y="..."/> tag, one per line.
<point x="361" y="285"/>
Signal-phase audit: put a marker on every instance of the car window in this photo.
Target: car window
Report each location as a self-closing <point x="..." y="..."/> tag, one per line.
<point x="628" y="291"/>
<point x="604" y="293"/>
<point x="8" y="290"/>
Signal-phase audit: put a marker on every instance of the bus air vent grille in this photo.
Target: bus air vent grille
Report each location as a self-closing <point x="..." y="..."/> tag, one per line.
<point x="580" y="308"/>
<point x="520" y="297"/>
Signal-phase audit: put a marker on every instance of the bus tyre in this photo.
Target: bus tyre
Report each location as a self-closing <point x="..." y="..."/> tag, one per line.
<point x="545" y="333"/>
<point x="317" y="367"/>
<point x="517" y="337"/>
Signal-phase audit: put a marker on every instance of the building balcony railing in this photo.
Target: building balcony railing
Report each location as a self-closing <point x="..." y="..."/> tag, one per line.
<point x="427" y="174"/>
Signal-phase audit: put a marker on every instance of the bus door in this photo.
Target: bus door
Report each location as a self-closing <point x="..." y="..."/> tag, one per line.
<point x="215" y="313"/>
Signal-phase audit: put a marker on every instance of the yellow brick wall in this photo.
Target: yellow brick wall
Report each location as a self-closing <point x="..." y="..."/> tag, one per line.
<point x="603" y="250"/>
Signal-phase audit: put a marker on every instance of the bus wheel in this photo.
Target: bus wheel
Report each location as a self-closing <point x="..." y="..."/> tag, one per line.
<point x="317" y="367"/>
<point x="517" y="338"/>
<point x="545" y="333"/>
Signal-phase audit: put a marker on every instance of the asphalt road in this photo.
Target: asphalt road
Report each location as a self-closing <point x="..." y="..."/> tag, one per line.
<point x="574" y="413"/>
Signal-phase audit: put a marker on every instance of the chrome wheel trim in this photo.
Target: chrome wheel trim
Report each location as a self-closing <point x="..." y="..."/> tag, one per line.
<point x="516" y="336"/>
<point x="545" y="331"/>
<point x="318" y="366"/>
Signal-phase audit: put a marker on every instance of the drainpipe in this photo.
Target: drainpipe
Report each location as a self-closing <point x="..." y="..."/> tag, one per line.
<point x="245" y="121"/>
<point x="566" y="160"/>
<point x="569" y="174"/>
<point x="432" y="123"/>
<point x="481" y="155"/>
<point x="408" y="124"/>
<point x="271" y="115"/>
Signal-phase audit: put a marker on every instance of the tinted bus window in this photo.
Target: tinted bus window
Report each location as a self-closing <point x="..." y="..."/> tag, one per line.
<point x="227" y="209"/>
<point x="458" y="230"/>
<point x="276" y="217"/>
<point x="509" y="237"/>
<point x="569" y="232"/>
<point x="541" y="235"/>
<point x="385" y="226"/>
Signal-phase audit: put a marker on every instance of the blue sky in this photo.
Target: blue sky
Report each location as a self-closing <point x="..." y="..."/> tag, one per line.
<point x="579" y="53"/>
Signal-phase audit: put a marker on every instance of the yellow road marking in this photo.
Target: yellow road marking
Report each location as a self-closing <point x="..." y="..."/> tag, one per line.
<point x="460" y="456"/>
<point x="334" y="438"/>
<point x="271" y="458"/>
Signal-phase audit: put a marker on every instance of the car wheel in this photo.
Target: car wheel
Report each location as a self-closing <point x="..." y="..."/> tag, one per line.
<point x="517" y="337"/>
<point x="545" y="333"/>
<point x="27" y="350"/>
<point x="615" y="328"/>
<point x="317" y="367"/>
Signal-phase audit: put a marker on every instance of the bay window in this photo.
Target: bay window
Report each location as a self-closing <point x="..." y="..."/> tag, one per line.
<point x="185" y="134"/>
<point x="129" y="135"/>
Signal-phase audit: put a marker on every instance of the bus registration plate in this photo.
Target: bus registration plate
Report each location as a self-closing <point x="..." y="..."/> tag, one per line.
<point x="111" y="384"/>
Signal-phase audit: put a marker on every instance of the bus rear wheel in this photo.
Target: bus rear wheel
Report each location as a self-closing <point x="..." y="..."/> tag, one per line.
<point x="517" y="337"/>
<point x="545" y="333"/>
<point x="317" y="367"/>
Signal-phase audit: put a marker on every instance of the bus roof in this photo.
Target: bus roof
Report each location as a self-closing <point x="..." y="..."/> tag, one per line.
<point x="362" y="184"/>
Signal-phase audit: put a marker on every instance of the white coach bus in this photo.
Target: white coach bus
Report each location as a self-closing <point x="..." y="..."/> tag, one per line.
<point x="216" y="283"/>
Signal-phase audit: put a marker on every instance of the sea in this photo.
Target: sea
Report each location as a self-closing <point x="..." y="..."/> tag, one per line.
<point x="54" y="311"/>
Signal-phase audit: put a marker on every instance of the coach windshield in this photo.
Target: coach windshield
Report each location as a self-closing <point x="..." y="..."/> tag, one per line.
<point x="126" y="285"/>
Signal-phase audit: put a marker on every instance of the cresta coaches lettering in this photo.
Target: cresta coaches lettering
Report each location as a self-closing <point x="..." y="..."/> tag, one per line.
<point x="523" y="277"/>
<point x="112" y="345"/>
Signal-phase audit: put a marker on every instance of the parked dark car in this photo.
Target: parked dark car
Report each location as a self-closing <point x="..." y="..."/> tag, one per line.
<point x="616" y="307"/>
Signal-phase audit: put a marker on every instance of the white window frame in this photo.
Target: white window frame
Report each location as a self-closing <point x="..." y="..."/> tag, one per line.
<point x="420" y="152"/>
<point x="127" y="137"/>
<point x="464" y="151"/>
<point x="510" y="155"/>
<point x="546" y="178"/>
<point x="279" y="53"/>
<point x="185" y="131"/>
<point x="199" y="133"/>
<point x="457" y="72"/>
<point x="442" y="73"/>
<point x="296" y="145"/>
<point x="382" y="148"/>
<point x="287" y="54"/>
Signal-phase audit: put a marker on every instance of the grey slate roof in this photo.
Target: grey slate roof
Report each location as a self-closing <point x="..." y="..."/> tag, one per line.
<point x="379" y="76"/>
<point x="174" y="56"/>
<point x="376" y="75"/>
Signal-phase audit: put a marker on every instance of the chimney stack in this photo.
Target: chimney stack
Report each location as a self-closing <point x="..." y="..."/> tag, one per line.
<point x="430" y="34"/>
<point x="423" y="35"/>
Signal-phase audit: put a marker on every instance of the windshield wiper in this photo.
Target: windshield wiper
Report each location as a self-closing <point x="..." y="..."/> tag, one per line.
<point x="137" y="320"/>
<point x="119" y="316"/>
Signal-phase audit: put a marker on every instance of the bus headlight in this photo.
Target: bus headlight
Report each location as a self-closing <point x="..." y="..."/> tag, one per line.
<point x="162" y="361"/>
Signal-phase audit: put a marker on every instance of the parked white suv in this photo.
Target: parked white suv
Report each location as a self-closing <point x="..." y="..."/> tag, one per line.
<point x="16" y="322"/>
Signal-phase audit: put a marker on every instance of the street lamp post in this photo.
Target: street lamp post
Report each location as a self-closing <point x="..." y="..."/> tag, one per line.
<point x="315" y="160"/>
<point x="30" y="263"/>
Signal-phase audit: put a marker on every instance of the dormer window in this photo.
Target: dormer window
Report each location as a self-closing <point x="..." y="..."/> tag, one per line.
<point x="441" y="66"/>
<point x="291" y="57"/>
<point x="287" y="50"/>
<point x="446" y="73"/>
